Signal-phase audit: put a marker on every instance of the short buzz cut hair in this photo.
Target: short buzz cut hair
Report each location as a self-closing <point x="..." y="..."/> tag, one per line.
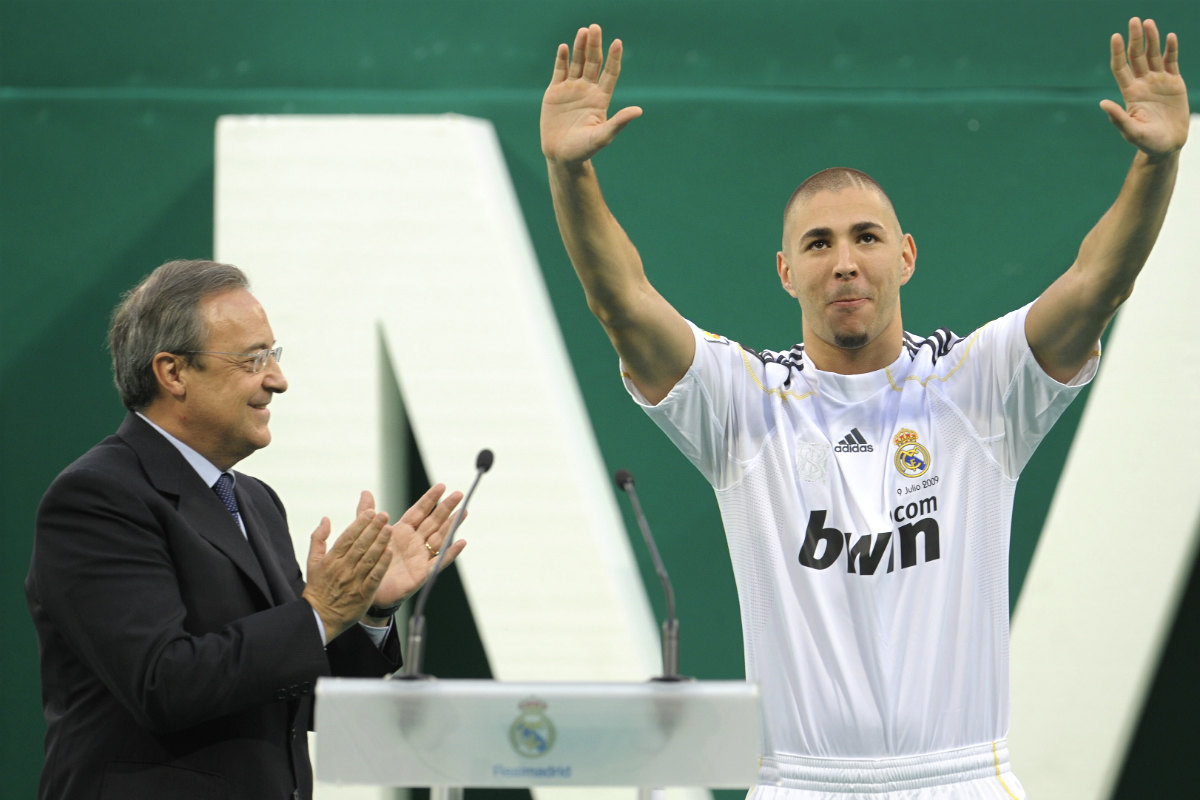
<point x="833" y="179"/>
<point x="162" y="314"/>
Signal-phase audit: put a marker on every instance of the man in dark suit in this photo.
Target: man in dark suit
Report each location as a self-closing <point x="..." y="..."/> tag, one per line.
<point x="179" y="642"/>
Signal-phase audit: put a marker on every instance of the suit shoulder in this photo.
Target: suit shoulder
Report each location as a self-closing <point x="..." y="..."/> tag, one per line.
<point x="105" y="484"/>
<point x="109" y="461"/>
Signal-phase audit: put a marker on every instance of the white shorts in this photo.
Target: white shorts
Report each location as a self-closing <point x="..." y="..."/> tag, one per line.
<point x="980" y="772"/>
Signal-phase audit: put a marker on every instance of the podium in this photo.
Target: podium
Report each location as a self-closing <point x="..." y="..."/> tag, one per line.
<point x="450" y="734"/>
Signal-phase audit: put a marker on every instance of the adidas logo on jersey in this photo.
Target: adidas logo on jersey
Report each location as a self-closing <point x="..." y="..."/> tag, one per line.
<point x="854" y="442"/>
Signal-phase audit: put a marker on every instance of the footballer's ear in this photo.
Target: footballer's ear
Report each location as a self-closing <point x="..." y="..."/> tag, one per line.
<point x="908" y="258"/>
<point x="785" y="273"/>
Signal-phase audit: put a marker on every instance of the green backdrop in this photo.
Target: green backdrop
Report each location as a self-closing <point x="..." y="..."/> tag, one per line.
<point x="980" y="118"/>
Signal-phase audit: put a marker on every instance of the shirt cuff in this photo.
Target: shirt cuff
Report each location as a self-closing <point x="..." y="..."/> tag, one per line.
<point x="378" y="635"/>
<point x="320" y="628"/>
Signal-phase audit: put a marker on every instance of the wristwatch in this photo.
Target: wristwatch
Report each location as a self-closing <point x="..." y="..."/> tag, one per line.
<point x="384" y="611"/>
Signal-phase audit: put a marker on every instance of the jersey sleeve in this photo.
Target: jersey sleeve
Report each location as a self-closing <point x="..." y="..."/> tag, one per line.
<point x="712" y="414"/>
<point x="993" y="379"/>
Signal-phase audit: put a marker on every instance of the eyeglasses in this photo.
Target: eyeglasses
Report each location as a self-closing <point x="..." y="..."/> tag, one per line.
<point x="256" y="360"/>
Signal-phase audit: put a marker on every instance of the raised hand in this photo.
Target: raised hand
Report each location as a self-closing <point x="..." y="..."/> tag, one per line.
<point x="342" y="580"/>
<point x="1155" y="116"/>
<point x="575" y="124"/>
<point x="416" y="540"/>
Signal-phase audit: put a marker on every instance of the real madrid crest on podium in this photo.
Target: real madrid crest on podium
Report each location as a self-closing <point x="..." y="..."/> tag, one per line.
<point x="532" y="732"/>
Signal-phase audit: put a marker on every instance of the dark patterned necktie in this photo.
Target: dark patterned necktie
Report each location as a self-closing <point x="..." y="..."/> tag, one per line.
<point x="224" y="489"/>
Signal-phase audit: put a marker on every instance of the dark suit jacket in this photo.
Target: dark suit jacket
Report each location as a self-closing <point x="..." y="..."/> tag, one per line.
<point x="175" y="663"/>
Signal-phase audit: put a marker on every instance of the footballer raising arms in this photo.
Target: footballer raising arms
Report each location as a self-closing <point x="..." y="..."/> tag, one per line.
<point x="894" y="662"/>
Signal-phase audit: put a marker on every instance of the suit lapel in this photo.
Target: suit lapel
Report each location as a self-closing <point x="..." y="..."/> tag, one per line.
<point x="171" y="475"/>
<point x="258" y="533"/>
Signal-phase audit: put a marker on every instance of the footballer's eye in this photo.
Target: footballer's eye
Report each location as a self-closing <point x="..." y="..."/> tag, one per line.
<point x="817" y="244"/>
<point x="868" y="238"/>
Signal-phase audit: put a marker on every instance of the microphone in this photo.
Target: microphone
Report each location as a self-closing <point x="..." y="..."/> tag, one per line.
<point x="414" y="652"/>
<point x="670" y="626"/>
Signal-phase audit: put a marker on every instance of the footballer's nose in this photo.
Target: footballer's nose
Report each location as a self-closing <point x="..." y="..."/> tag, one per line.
<point x="846" y="266"/>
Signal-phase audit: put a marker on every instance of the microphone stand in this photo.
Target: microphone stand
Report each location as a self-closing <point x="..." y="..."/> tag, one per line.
<point x="415" y="649"/>
<point x="670" y="626"/>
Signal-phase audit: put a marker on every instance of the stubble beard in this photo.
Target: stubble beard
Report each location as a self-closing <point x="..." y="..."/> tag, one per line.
<point x="851" y="341"/>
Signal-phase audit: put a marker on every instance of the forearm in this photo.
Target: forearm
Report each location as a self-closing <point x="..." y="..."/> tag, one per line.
<point x="1067" y="320"/>
<point x="193" y="679"/>
<point x="652" y="339"/>
<point x="605" y="260"/>
<point x="1116" y="249"/>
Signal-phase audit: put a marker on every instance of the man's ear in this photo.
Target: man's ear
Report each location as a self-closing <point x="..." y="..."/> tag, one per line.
<point x="169" y="373"/>
<point x="908" y="258"/>
<point x="785" y="273"/>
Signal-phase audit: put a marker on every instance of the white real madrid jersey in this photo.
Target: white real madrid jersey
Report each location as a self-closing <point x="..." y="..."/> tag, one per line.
<point x="868" y="519"/>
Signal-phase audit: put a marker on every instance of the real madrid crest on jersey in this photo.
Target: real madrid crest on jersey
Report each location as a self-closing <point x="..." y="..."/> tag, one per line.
<point x="912" y="459"/>
<point x="532" y="733"/>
